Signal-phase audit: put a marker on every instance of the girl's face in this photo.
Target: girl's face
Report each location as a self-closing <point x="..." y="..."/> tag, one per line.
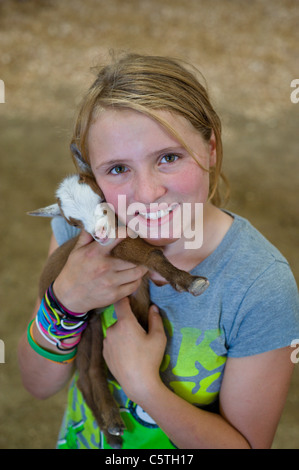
<point x="146" y="174"/>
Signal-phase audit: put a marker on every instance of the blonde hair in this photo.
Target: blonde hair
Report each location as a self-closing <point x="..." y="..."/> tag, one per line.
<point x="145" y="84"/>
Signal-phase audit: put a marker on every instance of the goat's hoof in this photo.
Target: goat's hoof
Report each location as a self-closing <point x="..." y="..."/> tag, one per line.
<point x="114" y="441"/>
<point x="179" y="288"/>
<point x="117" y="430"/>
<point x="198" y="286"/>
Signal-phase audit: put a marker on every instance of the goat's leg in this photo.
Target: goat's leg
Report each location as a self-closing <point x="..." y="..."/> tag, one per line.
<point x="182" y="281"/>
<point x="54" y="265"/>
<point x="138" y="251"/>
<point x="86" y="386"/>
<point x="93" y="383"/>
<point x="140" y="303"/>
<point x="83" y="365"/>
<point x="102" y="397"/>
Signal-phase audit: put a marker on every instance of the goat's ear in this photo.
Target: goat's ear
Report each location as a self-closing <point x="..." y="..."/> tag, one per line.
<point x="82" y="165"/>
<point x="49" y="211"/>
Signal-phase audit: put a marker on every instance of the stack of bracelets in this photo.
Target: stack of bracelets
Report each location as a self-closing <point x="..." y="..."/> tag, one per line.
<point x="57" y="324"/>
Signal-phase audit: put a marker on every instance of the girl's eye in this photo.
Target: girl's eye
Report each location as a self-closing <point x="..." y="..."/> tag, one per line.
<point x="170" y="158"/>
<point x="118" y="169"/>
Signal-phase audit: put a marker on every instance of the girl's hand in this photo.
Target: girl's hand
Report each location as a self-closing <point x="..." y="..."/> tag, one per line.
<point x="132" y="355"/>
<point x="92" y="278"/>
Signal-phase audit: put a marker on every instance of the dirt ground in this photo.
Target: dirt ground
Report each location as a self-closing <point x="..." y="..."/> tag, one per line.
<point x="248" y="52"/>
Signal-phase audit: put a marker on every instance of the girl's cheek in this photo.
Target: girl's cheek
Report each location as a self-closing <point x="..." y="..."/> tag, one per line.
<point x="110" y="194"/>
<point x="192" y="186"/>
<point x="117" y="200"/>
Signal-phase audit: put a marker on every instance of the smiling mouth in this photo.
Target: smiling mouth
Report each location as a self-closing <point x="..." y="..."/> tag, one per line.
<point x="157" y="214"/>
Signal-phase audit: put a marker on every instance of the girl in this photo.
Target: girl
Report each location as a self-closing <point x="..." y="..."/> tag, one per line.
<point x="212" y="371"/>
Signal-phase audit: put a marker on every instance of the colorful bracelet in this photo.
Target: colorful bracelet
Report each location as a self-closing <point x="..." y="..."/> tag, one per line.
<point x="56" y="329"/>
<point x="57" y="324"/>
<point x="56" y="305"/>
<point x="53" y="357"/>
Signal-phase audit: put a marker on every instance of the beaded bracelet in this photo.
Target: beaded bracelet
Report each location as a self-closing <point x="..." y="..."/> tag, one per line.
<point x="51" y="356"/>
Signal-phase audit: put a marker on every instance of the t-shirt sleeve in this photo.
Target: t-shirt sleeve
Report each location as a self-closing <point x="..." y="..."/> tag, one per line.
<point x="268" y="316"/>
<point x="62" y="230"/>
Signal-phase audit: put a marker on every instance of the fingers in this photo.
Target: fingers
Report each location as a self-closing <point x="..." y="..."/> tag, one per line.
<point x="155" y="324"/>
<point x="156" y="332"/>
<point x="126" y="273"/>
<point x="85" y="239"/>
<point x="92" y="277"/>
<point x="123" y="307"/>
<point x="95" y="249"/>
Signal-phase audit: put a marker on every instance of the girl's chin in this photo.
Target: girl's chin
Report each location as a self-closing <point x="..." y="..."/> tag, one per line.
<point x="160" y="241"/>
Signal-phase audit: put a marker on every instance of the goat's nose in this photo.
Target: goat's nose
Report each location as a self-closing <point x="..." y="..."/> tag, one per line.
<point x="101" y="232"/>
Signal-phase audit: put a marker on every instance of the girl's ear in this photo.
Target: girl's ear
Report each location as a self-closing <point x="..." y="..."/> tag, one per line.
<point x="212" y="150"/>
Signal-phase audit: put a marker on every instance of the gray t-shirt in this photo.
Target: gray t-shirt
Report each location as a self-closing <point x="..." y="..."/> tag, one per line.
<point x="250" y="307"/>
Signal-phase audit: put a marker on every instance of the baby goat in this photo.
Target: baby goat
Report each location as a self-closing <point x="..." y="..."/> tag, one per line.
<point x="81" y="206"/>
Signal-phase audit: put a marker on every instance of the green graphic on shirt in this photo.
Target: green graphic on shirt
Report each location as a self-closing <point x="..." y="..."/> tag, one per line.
<point x="108" y="318"/>
<point x="70" y="439"/>
<point x="202" y="397"/>
<point x="80" y="430"/>
<point x="165" y="363"/>
<point x="190" y="354"/>
<point x="197" y="368"/>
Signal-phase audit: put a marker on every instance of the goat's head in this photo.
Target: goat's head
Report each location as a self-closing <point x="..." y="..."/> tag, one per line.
<point x="82" y="207"/>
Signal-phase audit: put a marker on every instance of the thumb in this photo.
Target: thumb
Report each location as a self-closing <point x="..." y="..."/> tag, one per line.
<point x="122" y="308"/>
<point x="155" y="323"/>
<point x="83" y="239"/>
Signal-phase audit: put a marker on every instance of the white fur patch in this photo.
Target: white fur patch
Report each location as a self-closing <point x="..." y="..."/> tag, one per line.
<point x="79" y="201"/>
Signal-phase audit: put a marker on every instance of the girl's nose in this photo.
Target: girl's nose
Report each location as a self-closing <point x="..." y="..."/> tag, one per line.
<point x="149" y="189"/>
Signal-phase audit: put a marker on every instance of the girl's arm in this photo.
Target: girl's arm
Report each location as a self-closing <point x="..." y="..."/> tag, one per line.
<point x="90" y="279"/>
<point x="41" y="377"/>
<point x="252" y="396"/>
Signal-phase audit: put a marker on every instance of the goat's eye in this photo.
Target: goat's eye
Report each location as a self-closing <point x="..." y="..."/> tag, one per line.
<point x="72" y="222"/>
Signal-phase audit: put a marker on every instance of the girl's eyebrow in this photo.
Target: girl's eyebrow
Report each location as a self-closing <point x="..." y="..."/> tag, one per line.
<point x="155" y="154"/>
<point x="111" y="163"/>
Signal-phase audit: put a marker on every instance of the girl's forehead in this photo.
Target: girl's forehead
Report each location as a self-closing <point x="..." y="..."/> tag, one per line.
<point x="165" y="121"/>
<point x="120" y="134"/>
